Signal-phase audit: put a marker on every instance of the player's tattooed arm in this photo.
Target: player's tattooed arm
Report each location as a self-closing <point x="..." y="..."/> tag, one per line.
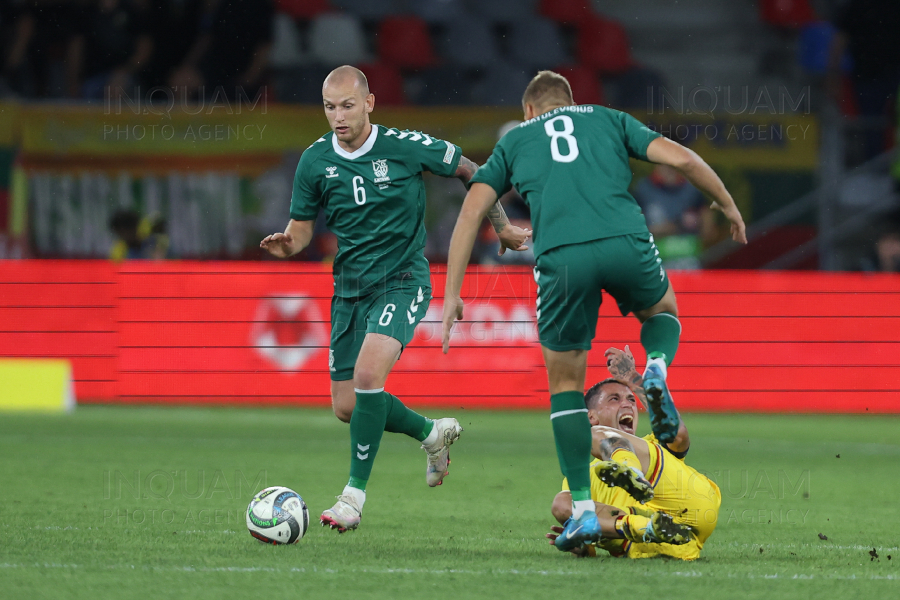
<point x="610" y="444"/>
<point x="465" y="171"/>
<point x="498" y="217"/>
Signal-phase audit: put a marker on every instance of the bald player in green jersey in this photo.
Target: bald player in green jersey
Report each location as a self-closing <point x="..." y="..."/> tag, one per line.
<point x="368" y="180"/>
<point x="571" y="165"/>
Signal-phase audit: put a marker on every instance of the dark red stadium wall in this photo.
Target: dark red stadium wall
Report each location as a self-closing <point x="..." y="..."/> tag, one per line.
<point x="248" y="333"/>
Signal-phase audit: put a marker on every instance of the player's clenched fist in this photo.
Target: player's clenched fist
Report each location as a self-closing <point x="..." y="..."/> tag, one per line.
<point x="278" y="244"/>
<point x="453" y="311"/>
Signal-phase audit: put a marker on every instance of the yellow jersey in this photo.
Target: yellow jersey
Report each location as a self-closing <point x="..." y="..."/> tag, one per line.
<point x="679" y="490"/>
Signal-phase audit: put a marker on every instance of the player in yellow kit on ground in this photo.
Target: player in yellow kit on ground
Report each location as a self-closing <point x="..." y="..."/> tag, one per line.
<point x="571" y="164"/>
<point x="635" y="479"/>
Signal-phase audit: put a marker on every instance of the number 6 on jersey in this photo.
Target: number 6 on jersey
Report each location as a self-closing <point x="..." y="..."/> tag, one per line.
<point x="359" y="192"/>
<point x="566" y="134"/>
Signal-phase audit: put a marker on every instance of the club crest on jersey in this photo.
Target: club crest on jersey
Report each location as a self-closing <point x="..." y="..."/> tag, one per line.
<point x="380" y="167"/>
<point x="332" y="172"/>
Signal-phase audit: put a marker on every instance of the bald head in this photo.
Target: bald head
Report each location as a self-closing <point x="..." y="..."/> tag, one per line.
<point x="348" y="102"/>
<point x="348" y="76"/>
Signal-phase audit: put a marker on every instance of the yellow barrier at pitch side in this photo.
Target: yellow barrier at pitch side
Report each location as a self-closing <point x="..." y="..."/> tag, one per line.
<point x="43" y="385"/>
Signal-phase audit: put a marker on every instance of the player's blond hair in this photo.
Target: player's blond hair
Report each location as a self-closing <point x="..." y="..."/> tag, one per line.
<point x="548" y="89"/>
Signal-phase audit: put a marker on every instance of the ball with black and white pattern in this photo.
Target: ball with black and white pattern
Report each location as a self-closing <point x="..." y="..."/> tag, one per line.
<point x="277" y="515"/>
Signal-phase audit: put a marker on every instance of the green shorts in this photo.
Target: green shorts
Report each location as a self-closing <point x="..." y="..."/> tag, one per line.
<point x="571" y="279"/>
<point x="394" y="312"/>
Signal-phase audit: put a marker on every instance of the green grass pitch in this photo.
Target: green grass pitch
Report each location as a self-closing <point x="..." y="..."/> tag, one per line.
<point x="120" y="502"/>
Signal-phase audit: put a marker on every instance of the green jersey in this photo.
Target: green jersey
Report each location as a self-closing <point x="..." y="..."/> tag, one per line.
<point x="571" y="167"/>
<point x="374" y="202"/>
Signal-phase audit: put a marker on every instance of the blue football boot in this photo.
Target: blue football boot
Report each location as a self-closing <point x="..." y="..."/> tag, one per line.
<point x="664" y="419"/>
<point x="578" y="532"/>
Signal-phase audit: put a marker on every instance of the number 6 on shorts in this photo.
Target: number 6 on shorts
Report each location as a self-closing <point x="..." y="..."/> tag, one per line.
<point x="386" y="316"/>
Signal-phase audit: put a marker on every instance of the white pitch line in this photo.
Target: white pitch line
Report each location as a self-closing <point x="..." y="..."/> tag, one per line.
<point x="824" y="545"/>
<point x="526" y="572"/>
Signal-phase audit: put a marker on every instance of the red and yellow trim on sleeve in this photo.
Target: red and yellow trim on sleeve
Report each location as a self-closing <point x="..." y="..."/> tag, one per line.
<point x="657" y="462"/>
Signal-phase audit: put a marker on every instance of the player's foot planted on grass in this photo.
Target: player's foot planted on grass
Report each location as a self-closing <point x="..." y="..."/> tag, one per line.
<point x="346" y="513"/>
<point x="578" y="532"/>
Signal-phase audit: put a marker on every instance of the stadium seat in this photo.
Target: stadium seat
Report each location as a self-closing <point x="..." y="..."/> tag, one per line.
<point x="790" y="14"/>
<point x="286" y="47"/>
<point x="303" y="10"/>
<point x="502" y="85"/>
<point x="631" y="88"/>
<point x="505" y="11"/>
<point x="442" y="86"/>
<point x="368" y="10"/>
<point x="301" y="85"/>
<point x="603" y="45"/>
<point x="405" y="43"/>
<point x="537" y="43"/>
<point x="570" y="12"/>
<point x="337" y="39"/>
<point x="437" y="11"/>
<point x="469" y="42"/>
<point x="814" y="48"/>
<point x="847" y="102"/>
<point x="586" y="86"/>
<point x="386" y="83"/>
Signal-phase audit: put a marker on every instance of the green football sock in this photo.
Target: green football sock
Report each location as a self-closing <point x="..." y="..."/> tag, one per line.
<point x="659" y="336"/>
<point x="401" y="419"/>
<point x="572" y="433"/>
<point x="366" y="430"/>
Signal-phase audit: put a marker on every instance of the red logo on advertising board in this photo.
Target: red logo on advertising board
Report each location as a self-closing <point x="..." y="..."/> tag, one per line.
<point x="288" y="330"/>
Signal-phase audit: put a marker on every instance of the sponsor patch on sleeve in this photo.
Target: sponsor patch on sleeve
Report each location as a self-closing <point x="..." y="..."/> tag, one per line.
<point x="448" y="155"/>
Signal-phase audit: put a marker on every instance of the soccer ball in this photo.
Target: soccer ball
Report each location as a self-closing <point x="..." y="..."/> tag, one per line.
<point x="277" y="515"/>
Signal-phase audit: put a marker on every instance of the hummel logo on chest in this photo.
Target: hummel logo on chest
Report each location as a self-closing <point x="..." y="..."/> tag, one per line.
<point x="332" y="172"/>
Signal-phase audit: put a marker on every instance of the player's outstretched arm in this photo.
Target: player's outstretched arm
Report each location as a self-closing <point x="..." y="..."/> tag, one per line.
<point x="701" y="176"/>
<point x="297" y="236"/>
<point x="476" y="205"/>
<point x="511" y="236"/>
<point x="621" y="366"/>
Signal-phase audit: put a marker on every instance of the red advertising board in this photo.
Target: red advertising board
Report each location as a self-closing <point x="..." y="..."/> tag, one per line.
<point x="257" y="333"/>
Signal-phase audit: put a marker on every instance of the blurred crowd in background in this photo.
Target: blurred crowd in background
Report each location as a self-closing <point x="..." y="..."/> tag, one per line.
<point x="467" y="52"/>
<point x="415" y="51"/>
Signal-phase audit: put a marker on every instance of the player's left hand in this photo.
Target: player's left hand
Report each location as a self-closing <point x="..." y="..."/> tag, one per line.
<point x="513" y="238"/>
<point x="453" y="311"/>
<point x="620" y="364"/>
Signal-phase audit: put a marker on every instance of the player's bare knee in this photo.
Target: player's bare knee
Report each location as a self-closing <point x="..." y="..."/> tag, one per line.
<point x="343" y="413"/>
<point x="562" y="507"/>
<point x="343" y="400"/>
<point x="367" y="378"/>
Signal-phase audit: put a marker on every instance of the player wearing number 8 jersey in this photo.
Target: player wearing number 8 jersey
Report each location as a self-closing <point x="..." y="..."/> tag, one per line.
<point x="368" y="180"/>
<point x="571" y="165"/>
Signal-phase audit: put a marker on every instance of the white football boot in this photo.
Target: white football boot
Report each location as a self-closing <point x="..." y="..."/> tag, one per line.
<point x="448" y="431"/>
<point x="344" y="515"/>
